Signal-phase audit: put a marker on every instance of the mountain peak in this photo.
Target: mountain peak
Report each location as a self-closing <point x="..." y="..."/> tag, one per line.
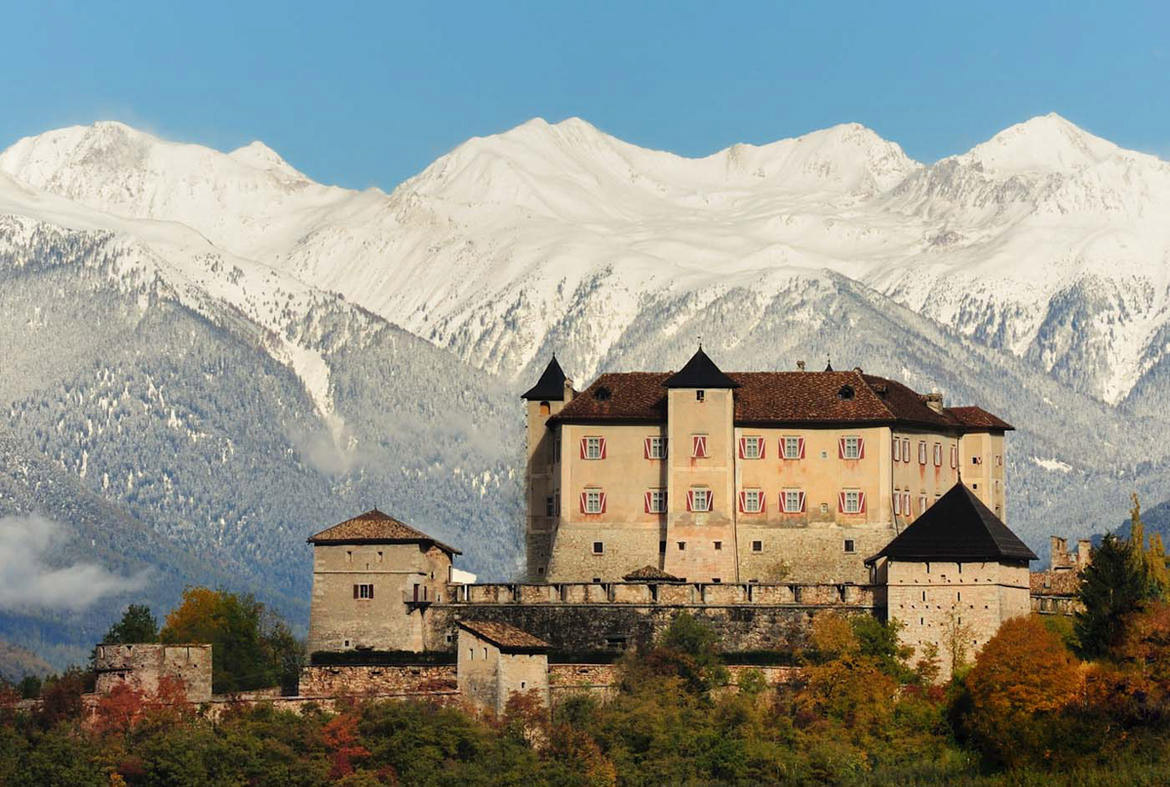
<point x="1045" y="143"/>
<point x="258" y="155"/>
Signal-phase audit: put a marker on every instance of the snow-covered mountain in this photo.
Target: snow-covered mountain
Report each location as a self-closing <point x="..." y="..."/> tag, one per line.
<point x="363" y="347"/>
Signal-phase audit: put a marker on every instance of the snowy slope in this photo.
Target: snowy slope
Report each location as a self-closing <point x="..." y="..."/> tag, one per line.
<point x="1044" y="241"/>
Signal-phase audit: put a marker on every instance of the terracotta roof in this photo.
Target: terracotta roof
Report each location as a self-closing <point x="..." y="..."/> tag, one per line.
<point x="773" y="397"/>
<point x="504" y="636"/>
<point x="551" y="385"/>
<point x="700" y="372"/>
<point x="1055" y="583"/>
<point x="978" y="418"/>
<point x="957" y="527"/>
<point x="374" y="526"/>
<point x="646" y="573"/>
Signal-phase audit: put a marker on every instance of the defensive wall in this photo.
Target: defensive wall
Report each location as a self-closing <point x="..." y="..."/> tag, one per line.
<point x="609" y="617"/>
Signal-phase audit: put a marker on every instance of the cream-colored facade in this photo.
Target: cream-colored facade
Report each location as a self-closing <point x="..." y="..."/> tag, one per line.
<point x="375" y="596"/>
<point x="797" y="501"/>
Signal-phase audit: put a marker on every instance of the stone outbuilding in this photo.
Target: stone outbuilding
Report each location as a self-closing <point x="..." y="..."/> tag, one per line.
<point x="497" y="660"/>
<point x="374" y="580"/>
<point x="954" y="575"/>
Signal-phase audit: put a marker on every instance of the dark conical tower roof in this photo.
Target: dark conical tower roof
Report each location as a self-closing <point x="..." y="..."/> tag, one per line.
<point x="700" y="372"/>
<point x="957" y="527"/>
<point x="551" y="385"/>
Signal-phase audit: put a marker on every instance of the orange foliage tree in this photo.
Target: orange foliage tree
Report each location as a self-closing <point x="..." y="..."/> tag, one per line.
<point x="341" y="738"/>
<point x="1023" y="677"/>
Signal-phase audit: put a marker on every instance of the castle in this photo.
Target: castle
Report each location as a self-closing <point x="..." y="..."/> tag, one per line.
<point x="753" y="500"/>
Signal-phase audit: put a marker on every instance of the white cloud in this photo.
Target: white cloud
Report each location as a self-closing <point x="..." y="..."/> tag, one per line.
<point x="27" y="579"/>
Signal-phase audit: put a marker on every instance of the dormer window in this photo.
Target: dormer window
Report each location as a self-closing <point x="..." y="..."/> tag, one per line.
<point x="845" y="392"/>
<point x="700" y="395"/>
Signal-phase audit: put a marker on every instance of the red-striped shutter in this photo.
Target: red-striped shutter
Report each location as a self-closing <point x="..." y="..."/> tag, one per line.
<point x="690" y="500"/>
<point x="742" y="447"/>
<point x="602" y="447"/>
<point x="646" y="448"/>
<point x="763" y="501"/>
<point x="355" y="591"/>
<point x="841" y="502"/>
<point x="603" y="502"/>
<point x="710" y="500"/>
<point x="665" y="447"/>
<point x="840" y="447"/>
<point x="372" y="591"/>
<point x="800" y="499"/>
<point x="582" y="502"/>
<point x="699" y="446"/>
<point x="583" y="448"/>
<point x="763" y="447"/>
<point x="646" y="502"/>
<point x="861" y="448"/>
<point x="743" y="502"/>
<point x="800" y="445"/>
<point x="861" y="502"/>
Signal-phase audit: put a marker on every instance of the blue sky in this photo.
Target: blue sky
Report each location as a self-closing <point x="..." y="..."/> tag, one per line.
<point x="364" y="94"/>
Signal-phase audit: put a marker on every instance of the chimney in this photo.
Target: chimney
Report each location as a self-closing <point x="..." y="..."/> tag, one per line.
<point x="934" y="401"/>
<point x="569" y="392"/>
<point x="800" y="365"/>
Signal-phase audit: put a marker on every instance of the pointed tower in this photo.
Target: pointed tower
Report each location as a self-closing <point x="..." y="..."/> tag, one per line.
<point x="699" y="538"/>
<point x="545" y="399"/>
<point x="954" y="575"/>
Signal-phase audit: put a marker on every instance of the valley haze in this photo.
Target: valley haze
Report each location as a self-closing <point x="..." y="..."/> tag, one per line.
<point x="208" y="356"/>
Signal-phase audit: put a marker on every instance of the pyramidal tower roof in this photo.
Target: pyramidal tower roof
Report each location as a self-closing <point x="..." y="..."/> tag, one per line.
<point x="550" y="386"/>
<point x="957" y="527"/>
<point x="700" y="372"/>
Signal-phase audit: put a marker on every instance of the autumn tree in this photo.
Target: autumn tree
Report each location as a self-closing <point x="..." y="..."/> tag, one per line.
<point x="1023" y="677"/>
<point x="1115" y="583"/>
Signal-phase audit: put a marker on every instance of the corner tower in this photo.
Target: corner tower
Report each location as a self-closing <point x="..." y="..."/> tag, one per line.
<point x="700" y="538"/>
<point x="542" y="467"/>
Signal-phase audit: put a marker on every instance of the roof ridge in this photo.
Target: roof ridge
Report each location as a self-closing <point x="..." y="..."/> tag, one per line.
<point x="884" y="404"/>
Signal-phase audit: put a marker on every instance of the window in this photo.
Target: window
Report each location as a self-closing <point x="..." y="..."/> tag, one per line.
<point x="757" y="546"/>
<point x="792" y="447"/>
<point x="363" y="591"/>
<point x="348" y="556"/>
<point x="751" y="447"/>
<point x="851" y="501"/>
<point x="654" y="501"/>
<point x="699" y="499"/>
<point x="851" y="447"/>
<point x="682" y="545"/>
<point x="549" y="505"/>
<point x="897" y="450"/>
<point x="897" y="503"/>
<point x="921" y="504"/>
<point x="700" y="395"/>
<point x="976" y="460"/>
<point x="906" y="504"/>
<point x="544" y="408"/>
<point x="954" y="456"/>
<point x="598" y="548"/>
<point x="921" y="452"/>
<point x="751" y="501"/>
<point x="792" y="501"/>
<point x="938" y="454"/>
<point x="906" y="449"/>
<point x="850" y="547"/>
<point x="999" y="460"/>
<point x="654" y="447"/>
<point x="718" y="546"/>
<point x="593" y="501"/>
<point x="592" y="447"/>
<point x="699" y="446"/>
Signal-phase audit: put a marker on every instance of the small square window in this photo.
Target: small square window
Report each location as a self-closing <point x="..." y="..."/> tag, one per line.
<point x="757" y="546"/>
<point x="716" y="580"/>
<point x="700" y="395"/>
<point x="682" y="545"/>
<point x="598" y="547"/>
<point x="718" y="546"/>
<point x="824" y="508"/>
<point x="850" y="547"/>
<point x="597" y="580"/>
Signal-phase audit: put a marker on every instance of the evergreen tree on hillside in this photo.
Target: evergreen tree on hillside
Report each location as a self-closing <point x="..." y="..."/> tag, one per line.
<point x="136" y="625"/>
<point x="1116" y="583"/>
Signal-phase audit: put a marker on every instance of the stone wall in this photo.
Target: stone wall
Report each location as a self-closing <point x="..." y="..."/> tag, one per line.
<point x="143" y="665"/>
<point x="357" y="681"/>
<point x="591" y="618"/>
